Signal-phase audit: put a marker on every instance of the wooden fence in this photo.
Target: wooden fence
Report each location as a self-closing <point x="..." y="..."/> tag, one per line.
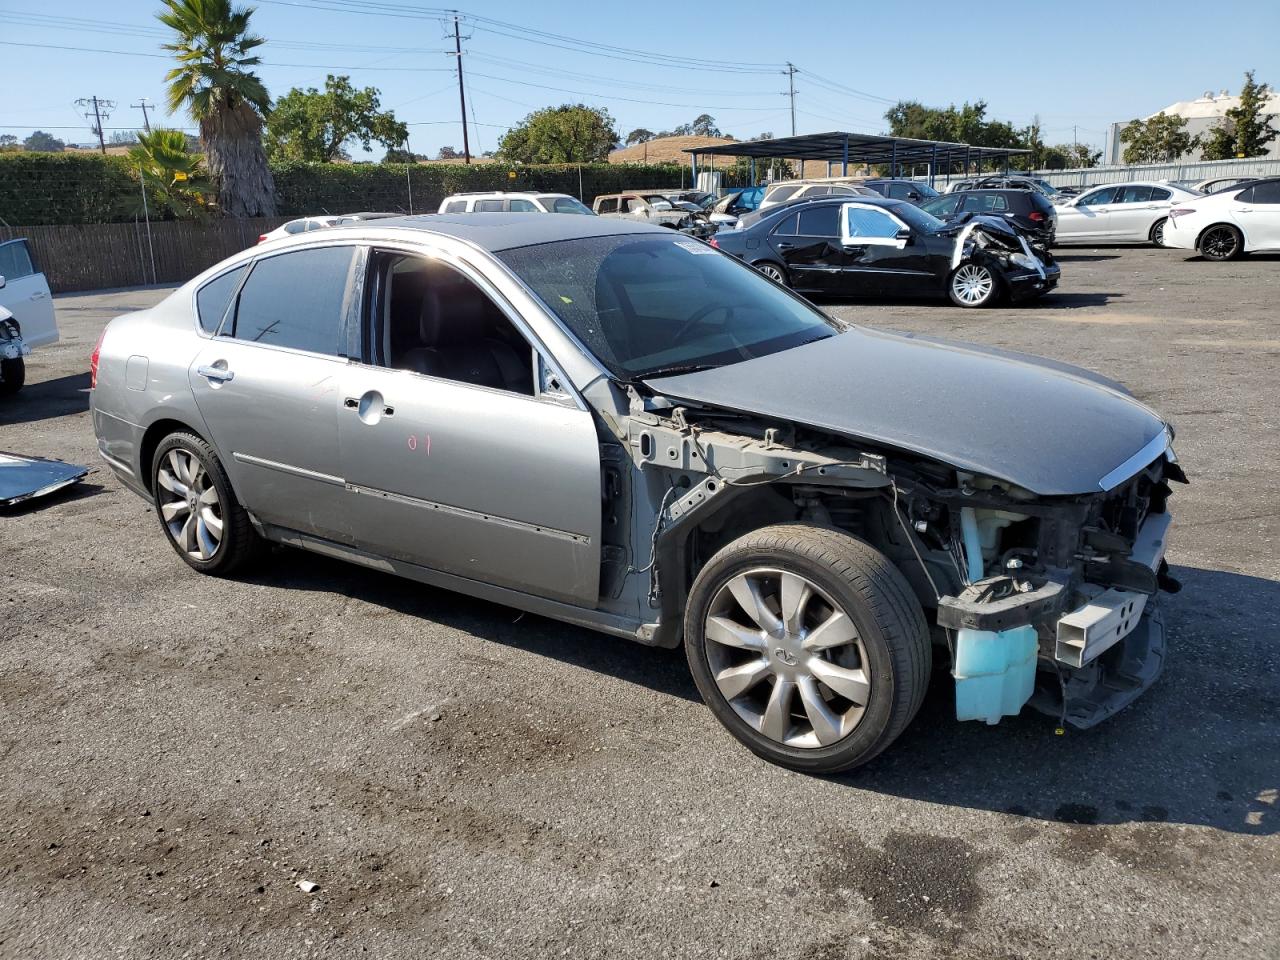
<point x="103" y="255"/>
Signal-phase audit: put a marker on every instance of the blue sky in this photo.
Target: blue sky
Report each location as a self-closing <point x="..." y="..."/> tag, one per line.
<point x="1084" y="65"/>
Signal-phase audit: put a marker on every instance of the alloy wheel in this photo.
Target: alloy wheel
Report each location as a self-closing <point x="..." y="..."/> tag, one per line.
<point x="189" y="504"/>
<point x="972" y="284"/>
<point x="786" y="658"/>
<point x="1219" y="243"/>
<point x="772" y="272"/>
<point x="1157" y="233"/>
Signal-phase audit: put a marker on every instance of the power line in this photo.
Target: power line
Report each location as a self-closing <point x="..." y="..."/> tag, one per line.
<point x="162" y="56"/>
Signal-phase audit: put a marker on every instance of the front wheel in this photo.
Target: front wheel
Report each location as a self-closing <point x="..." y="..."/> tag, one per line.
<point x="13" y="374"/>
<point x="198" y="510"/>
<point x="808" y="645"/>
<point x="1221" y="242"/>
<point x="773" y="272"/>
<point x="973" y="285"/>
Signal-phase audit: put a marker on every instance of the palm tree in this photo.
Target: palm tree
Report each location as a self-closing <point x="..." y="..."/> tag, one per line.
<point x="213" y="82"/>
<point x="171" y="174"/>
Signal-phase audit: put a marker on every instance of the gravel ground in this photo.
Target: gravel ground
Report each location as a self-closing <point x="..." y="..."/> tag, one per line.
<point x="462" y="781"/>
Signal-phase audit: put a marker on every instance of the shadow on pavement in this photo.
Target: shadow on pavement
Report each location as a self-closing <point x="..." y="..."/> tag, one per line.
<point x="47" y="399"/>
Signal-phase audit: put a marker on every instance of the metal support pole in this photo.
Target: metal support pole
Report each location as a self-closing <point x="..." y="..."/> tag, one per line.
<point x="893" y="163"/>
<point x="753" y="172"/>
<point x="146" y="212"/>
<point x="693" y="160"/>
<point x="933" y="164"/>
<point x="844" y="158"/>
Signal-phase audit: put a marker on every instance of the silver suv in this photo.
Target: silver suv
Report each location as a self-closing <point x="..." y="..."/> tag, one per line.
<point x="497" y="201"/>
<point x="618" y="426"/>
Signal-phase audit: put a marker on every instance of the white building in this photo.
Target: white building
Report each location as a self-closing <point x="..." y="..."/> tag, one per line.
<point x="1202" y="115"/>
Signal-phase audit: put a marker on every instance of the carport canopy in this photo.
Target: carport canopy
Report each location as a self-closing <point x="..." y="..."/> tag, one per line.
<point x="864" y="148"/>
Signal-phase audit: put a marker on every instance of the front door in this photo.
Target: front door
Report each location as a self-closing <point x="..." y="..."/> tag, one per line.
<point x="454" y="458"/>
<point x="1089" y="217"/>
<point x="882" y="255"/>
<point x="25" y="294"/>
<point x="269" y="390"/>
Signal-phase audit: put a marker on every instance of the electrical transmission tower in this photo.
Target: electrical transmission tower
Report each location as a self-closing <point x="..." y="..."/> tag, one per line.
<point x="462" y="93"/>
<point x="144" y="105"/>
<point x="101" y="110"/>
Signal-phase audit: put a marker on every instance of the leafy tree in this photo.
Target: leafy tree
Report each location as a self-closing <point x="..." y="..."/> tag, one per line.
<point x="42" y="142"/>
<point x="1245" y="130"/>
<point x="123" y="138"/>
<point x="318" y="126"/>
<point x="448" y="153"/>
<point x="964" y="124"/>
<point x="705" y="126"/>
<point x="402" y="155"/>
<point x="1159" y="139"/>
<point x="171" y="174"/>
<point x="572" y="133"/>
<point x="214" y="83"/>
<point x="639" y="135"/>
<point x="9" y="143"/>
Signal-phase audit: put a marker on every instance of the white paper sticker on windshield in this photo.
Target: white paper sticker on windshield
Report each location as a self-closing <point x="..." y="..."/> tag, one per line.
<point x="693" y="246"/>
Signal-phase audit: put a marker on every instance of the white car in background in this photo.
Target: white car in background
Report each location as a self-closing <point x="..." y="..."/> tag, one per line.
<point x="1223" y="225"/>
<point x="1134" y="212"/>
<point x="26" y="313"/>
<point x="498" y="201"/>
<point x="301" y="225"/>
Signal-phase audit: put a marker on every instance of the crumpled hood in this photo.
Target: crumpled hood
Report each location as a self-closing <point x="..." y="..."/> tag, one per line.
<point x="1050" y="427"/>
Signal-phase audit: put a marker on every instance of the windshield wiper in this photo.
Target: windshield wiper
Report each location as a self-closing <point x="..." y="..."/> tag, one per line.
<point x="676" y="369"/>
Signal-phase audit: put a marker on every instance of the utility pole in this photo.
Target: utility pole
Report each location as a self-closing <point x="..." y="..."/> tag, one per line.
<point x="143" y="105"/>
<point x="101" y="109"/>
<point x="462" y="95"/>
<point x="791" y="92"/>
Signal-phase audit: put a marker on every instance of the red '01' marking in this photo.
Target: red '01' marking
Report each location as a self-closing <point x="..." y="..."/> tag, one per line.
<point x="413" y="443"/>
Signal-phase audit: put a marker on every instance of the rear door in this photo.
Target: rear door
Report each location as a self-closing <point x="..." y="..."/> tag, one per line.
<point x="808" y="242"/>
<point x="25" y="294"/>
<point x="1257" y="210"/>
<point x="268" y="386"/>
<point x="477" y="468"/>
<point x="1136" y="209"/>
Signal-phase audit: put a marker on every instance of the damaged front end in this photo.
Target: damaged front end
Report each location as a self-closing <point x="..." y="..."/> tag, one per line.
<point x="1055" y="601"/>
<point x="12" y="346"/>
<point x="1028" y="267"/>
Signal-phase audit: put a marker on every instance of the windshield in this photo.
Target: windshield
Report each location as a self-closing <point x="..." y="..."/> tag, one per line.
<point x="916" y="218"/>
<point x="567" y="205"/>
<point x="646" y="305"/>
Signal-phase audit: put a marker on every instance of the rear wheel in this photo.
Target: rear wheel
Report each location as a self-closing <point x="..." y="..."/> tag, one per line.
<point x="973" y="285"/>
<point x="1156" y="235"/>
<point x="773" y="272"/>
<point x="1221" y="242"/>
<point x="13" y="374"/>
<point x="808" y="645"/>
<point x="198" y="510"/>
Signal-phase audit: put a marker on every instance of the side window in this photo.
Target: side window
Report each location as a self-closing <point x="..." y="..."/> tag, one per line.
<point x="1268" y="192"/>
<point x="436" y="321"/>
<point x="822" y="221"/>
<point x="1099" y="197"/>
<point x="15" y="260"/>
<point x="296" y="300"/>
<point x="787" y="228"/>
<point x="522" y="206"/>
<point x="608" y="205"/>
<point x="1159" y="193"/>
<point x="295" y="226"/>
<point x="213" y="297"/>
<point x="782" y="193"/>
<point x="945" y="207"/>
<point x="865" y="222"/>
<point x="985" y="203"/>
<point x="456" y="206"/>
<point x="1137" y="194"/>
<point x="488" y="206"/>
<point x="636" y="205"/>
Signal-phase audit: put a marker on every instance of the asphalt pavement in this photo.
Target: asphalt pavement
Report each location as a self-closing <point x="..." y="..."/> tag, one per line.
<point x="178" y="752"/>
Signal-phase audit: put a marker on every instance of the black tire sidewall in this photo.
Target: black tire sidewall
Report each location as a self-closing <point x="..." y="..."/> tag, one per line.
<point x="866" y="739"/>
<point x="228" y="548"/>
<point x="13" y="374"/>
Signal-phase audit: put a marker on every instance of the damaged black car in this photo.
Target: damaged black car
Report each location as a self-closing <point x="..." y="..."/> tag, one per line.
<point x="889" y="248"/>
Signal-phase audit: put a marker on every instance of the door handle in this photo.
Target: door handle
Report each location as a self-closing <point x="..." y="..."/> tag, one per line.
<point x="39" y="295"/>
<point x="220" y="374"/>
<point x="353" y="403"/>
<point x="785" y="246"/>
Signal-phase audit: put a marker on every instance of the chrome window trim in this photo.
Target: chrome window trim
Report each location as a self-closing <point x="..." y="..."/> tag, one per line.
<point x="1155" y="447"/>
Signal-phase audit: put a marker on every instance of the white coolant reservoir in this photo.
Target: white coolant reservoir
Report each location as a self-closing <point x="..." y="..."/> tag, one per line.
<point x="995" y="672"/>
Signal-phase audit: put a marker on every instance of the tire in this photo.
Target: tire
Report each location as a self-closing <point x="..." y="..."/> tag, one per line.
<point x="13" y="374"/>
<point x="773" y="271"/>
<point x="188" y="483"/>
<point x="1156" y="236"/>
<point x="740" y="668"/>
<point x="1221" y="242"/>
<point x="973" y="285"/>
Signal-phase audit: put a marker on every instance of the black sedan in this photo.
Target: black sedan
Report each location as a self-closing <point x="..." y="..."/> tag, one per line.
<point x="1028" y="210"/>
<point x="868" y="247"/>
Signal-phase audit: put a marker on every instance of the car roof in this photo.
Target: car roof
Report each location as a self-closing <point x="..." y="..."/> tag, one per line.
<point x="505" y="231"/>
<point x="792" y="205"/>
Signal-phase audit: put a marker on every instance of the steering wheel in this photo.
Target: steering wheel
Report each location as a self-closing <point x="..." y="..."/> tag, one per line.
<point x="701" y="315"/>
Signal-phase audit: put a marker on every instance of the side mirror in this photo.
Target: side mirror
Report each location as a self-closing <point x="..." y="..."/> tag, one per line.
<point x="902" y="235"/>
<point x="912" y="195"/>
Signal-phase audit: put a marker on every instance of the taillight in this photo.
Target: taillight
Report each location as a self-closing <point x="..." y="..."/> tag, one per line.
<point x="93" y="360"/>
<point x="262" y="237"/>
<point x="714" y="242"/>
<point x="1035" y="215"/>
<point x="1180" y="212"/>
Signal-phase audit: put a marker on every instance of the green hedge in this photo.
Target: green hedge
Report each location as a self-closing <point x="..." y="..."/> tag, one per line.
<point x="40" y="188"/>
<point x="65" y="188"/>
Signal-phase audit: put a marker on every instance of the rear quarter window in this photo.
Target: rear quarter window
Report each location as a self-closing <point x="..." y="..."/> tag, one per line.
<point x="456" y="206"/>
<point x="296" y="300"/>
<point x="1268" y="192"/>
<point x="213" y="297"/>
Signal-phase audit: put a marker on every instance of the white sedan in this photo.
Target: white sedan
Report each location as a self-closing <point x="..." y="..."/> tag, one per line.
<point x="1120" y="213"/>
<point x="1240" y="219"/>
